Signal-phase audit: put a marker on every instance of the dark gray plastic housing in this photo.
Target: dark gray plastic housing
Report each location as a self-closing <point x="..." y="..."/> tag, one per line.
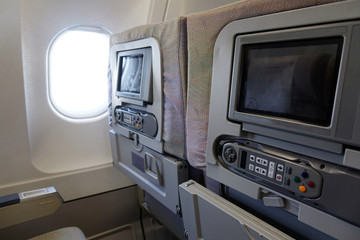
<point x="143" y="97"/>
<point x="330" y="149"/>
<point x="328" y="105"/>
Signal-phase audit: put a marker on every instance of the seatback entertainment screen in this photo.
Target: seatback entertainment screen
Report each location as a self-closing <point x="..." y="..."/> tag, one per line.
<point x="291" y="79"/>
<point x="131" y="68"/>
<point x="134" y="75"/>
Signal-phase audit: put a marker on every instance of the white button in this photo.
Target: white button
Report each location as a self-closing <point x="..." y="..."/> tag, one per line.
<point x="279" y="177"/>
<point x="258" y="160"/>
<point x="271" y="171"/>
<point x="264" y="162"/>
<point x="251" y="167"/>
<point x="252" y="158"/>
<point x="272" y="165"/>
<point x="263" y="172"/>
<point x="280" y="167"/>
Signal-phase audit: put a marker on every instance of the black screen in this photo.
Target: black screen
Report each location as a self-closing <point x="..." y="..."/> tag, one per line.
<point x="291" y="79"/>
<point x="130" y="73"/>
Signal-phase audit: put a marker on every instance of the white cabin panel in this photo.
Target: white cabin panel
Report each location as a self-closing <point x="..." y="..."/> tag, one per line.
<point x="37" y="147"/>
<point x="56" y="144"/>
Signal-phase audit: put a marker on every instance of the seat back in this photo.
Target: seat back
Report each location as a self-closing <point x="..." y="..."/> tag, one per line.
<point x="202" y="31"/>
<point x="171" y="36"/>
<point x="154" y="161"/>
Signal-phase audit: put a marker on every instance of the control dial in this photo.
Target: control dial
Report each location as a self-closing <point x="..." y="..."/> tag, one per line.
<point x="230" y="154"/>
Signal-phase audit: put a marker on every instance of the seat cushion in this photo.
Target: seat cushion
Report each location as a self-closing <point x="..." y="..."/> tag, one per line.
<point x="69" y="233"/>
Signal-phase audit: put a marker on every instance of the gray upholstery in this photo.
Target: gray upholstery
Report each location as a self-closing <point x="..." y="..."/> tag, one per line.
<point x="69" y="233"/>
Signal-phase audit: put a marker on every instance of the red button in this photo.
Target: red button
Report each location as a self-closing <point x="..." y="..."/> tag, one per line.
<point x="311" y="184"/>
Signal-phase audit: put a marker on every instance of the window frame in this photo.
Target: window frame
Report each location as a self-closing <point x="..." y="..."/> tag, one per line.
<point x="60" y="113"/>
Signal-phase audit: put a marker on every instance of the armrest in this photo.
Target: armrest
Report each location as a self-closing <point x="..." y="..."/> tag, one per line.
<point x="9" y="200"/>
<point x="20" y="207"/>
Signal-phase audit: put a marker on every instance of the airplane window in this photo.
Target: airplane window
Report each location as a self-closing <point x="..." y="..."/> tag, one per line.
<point x="77" y="72"/>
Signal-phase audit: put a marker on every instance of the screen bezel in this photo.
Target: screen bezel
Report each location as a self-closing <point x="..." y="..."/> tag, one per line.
<point x="145" y="94"/>
<point x="276" y="122"/>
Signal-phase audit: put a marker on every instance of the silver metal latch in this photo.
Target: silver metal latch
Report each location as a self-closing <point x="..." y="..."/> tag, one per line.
<point x="135" y="141"/>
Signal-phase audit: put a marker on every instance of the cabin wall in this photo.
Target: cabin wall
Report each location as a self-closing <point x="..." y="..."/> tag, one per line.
<point x="24" y="111"/>
<point x="15" y="164"/>
<point x="98" y="197"/>
<point x="14" y="148"/>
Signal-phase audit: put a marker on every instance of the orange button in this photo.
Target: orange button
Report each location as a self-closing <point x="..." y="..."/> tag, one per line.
<point x="302" y="188"/>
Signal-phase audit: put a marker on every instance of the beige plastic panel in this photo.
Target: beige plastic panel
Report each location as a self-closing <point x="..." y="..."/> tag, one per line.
<point x="33" y="204"/>
<point x="211" y="217"/>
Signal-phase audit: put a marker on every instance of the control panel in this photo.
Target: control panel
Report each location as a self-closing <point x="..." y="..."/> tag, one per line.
<point x="138" y="121"/>
<point x="297" y="177"/>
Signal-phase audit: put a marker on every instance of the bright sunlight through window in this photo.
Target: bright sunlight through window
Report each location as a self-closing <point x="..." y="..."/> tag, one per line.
<point x="78" y="65"/>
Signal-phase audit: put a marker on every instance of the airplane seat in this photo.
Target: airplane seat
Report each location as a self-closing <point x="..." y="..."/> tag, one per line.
<point x="68" y="233"/>
<point x="156" y="161"/>
<point x="202" y="31"/>
<point x="172" y="38"/>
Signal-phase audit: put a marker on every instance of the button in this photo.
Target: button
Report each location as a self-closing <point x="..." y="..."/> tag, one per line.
<point x="296" y="179"/>
<point x="311" y="184"/>
<point x="304" y="174"/>
<point x="302" y="188"/>
<point x="258" y="160"/>
<point x="271" y="171"/>
<point x="230" y="154"/>
<point x="272" y="165"/>
<point x="280" y="167"/>
<point x="251" y="167"/>
<point x="287" y="181"/>
<point x="279" y="177"/>
<point x="260" y="170"/>
<point x="252" y="158"/>
<point x="264" y="162"/>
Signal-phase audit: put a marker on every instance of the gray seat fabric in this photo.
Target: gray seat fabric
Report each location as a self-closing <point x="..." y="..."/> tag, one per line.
<point x="68" y="233"/>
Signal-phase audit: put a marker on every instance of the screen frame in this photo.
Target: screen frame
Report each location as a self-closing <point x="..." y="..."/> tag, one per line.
<point x="275" y="122"/>
<point x="145" y="94"/>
